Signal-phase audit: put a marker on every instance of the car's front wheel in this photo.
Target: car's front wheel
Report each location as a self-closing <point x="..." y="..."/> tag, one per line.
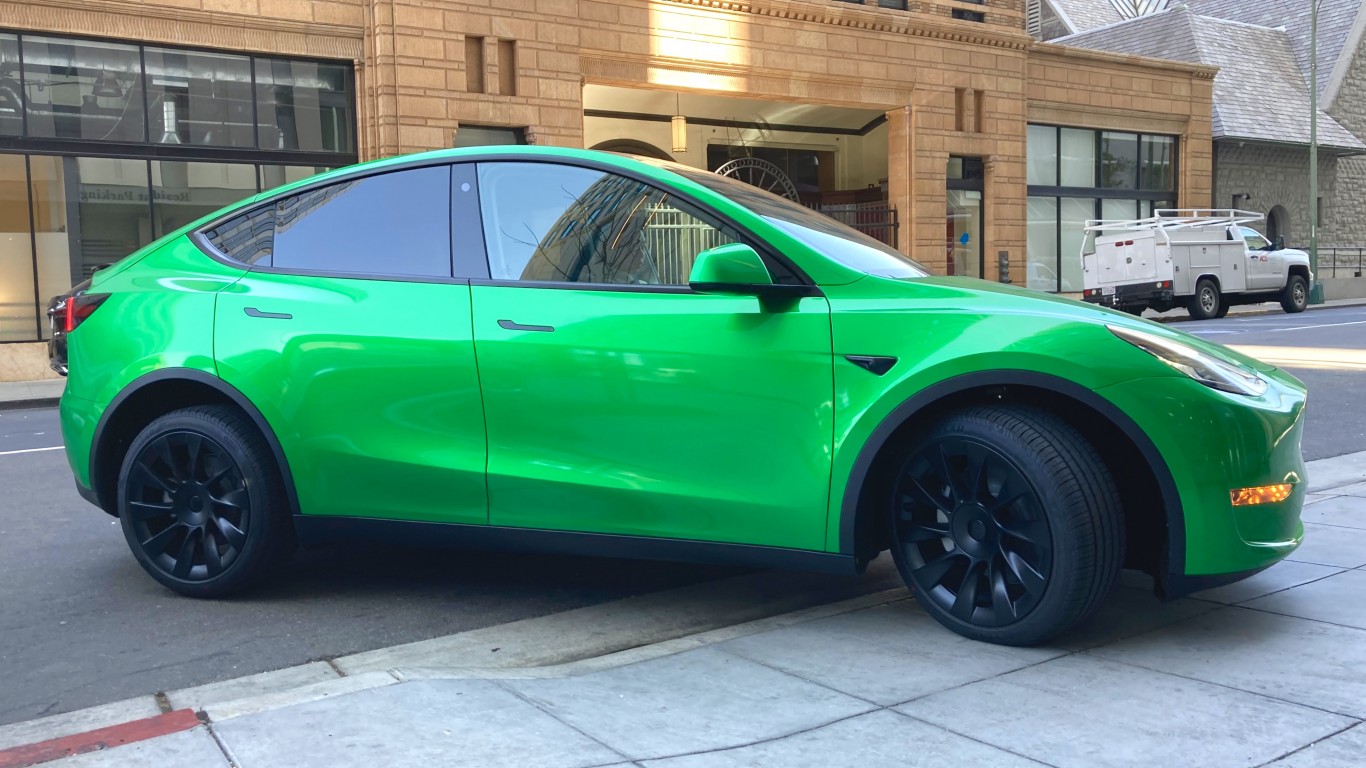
<point x="1006" y="524"/>
<point x="202" y="502"/>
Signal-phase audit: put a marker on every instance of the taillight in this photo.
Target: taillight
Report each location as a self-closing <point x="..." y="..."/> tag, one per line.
<point x="79" y="307"/>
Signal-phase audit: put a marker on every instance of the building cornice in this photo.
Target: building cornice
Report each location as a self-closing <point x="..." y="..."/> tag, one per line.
<point x="874" y="20"/>
<point x="1197" y="71"/>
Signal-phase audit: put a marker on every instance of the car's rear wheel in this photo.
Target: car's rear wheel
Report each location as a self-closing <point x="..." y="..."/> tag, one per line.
<point x="1295" y="297"/>
<point x="1006" y="524"/>
<point x="202" y="503"/>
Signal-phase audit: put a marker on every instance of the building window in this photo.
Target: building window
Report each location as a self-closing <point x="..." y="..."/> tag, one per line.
<point x="1078" y="174"/>
<point x="203" y="99"/>
<point x="964" y="224"/>
<point x="966" y="15"/>
<point x="77" y="89"/>
<point x="110" y="145"/>
<point x="488" y="136"/>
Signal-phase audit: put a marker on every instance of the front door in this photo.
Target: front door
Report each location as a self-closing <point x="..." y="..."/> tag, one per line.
<point x="1261" y="263"/>
<point x="619" y="401"/>
<point x="353" y="340"/>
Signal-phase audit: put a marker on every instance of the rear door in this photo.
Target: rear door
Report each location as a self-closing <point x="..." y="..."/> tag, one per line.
<point x="353" y="339"/>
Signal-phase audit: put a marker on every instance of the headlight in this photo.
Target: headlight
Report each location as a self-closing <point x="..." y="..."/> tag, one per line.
<point x="1204" y="368"/>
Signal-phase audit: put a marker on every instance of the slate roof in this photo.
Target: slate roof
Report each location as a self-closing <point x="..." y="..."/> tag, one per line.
<point x="1336" y="25"/>
<point x="1084" y="15"/>
<point x="1259" y="93"/>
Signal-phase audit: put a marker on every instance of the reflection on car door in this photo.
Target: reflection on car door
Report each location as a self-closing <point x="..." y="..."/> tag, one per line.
<point x="619" y="401"/>
<point x="354" y="341"/>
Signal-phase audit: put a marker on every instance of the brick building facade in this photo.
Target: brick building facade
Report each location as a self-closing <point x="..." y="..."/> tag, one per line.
<point x="923" y="110"/>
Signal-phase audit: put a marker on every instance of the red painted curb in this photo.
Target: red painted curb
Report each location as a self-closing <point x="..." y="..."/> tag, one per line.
<point x="103" y="738"/>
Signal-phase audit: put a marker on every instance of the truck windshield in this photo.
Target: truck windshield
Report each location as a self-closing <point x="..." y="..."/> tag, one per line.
<point x="844" y="244"/>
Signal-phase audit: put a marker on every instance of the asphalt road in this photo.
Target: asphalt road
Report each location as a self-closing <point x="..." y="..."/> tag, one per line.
<point x="1324" y="348"/>
<point x="80" y="624"/>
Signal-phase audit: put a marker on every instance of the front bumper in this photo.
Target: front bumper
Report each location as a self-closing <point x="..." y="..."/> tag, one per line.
<point x="1214" y="442"/>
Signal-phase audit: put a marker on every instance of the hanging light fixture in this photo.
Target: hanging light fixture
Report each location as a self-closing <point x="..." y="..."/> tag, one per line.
<point x="680" y="128"/>
<point x="106" y="86"/>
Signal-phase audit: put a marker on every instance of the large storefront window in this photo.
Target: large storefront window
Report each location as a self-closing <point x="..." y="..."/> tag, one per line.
<point x="106" y="146"/>
<point x="1077" y="174"/>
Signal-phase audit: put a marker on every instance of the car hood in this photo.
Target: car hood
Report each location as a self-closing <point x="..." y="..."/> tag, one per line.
<point x="1015" y="300"/>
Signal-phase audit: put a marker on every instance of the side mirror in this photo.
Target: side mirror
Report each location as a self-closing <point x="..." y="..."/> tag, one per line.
<point x="1279" y="243"/>
<point x="733" y="268"/>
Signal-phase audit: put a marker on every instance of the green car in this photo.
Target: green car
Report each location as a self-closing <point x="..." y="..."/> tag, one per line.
<point x="574" y="351"/>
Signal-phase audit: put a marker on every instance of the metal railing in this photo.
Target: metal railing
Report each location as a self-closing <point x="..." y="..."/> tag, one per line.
<point x="1342" y="262"/>
<point x="877" y="220"/>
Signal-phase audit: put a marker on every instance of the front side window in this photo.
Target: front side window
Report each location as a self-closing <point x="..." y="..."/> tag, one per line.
<point x="1254" y="240"/>
<point x="393" y="224"/>
<point x="557" y="223"/>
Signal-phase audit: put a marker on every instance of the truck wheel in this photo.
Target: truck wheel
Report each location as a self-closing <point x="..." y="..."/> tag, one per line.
<point x="1295" y="297"/>
<point x="1206" y="302"/>
<point x="1223" y="311"/>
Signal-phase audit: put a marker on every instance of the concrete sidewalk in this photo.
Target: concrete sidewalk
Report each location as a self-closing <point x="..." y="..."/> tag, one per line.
<point x="31" y="394"/>
<point x="1269" y="671"/>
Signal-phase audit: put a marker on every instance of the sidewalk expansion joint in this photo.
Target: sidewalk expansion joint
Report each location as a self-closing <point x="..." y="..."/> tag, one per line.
<point x="333" y="664"/>
<point x="163" y="702"/>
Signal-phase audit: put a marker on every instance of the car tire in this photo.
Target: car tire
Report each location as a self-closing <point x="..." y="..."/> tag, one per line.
<point x="1207" y="301"/>
<point x="1006" y="524"/>
<point x="1295" y="297"/>
<point x="202" y="503"/>
<point x="1223" y="311"/>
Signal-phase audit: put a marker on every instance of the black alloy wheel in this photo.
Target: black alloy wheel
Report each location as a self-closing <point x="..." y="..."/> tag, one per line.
<point x="973" y="531"/>
<point x="201" y="502"/>
<point x="188" y="506"/>
<point x="1006" y="524"/>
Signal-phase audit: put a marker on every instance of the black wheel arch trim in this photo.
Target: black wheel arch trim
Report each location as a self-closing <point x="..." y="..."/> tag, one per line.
<point x="1174" y="556"/>
<point x="105" y="496"/>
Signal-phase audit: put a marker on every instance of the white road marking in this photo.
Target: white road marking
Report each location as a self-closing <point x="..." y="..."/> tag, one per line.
<point x="1325" y="325"/>
<point x="31" y="450"/>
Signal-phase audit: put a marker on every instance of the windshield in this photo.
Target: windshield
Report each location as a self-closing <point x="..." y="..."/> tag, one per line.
<point x="844" y="244"/>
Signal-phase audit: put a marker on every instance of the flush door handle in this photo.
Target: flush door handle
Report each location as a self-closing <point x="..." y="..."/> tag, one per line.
<point x="508" y="325"/>
<point x="254" y="312"/>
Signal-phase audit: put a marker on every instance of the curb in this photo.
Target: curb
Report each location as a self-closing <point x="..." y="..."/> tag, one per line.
<point x="291" y="693"/>
<point x="101" y="738"/>
<point x="30" y="403"/>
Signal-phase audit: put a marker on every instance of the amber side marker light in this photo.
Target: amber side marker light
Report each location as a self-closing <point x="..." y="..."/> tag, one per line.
<point x="1266" y="494"/>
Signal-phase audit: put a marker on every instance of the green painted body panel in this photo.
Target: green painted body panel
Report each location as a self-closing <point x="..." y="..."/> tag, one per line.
<point x="1215" y="442"/>
<point x="159" y="315"/>
<point x="716" y="418"/>
<point x="370" y="387"/>
<point x="659" y="414"/>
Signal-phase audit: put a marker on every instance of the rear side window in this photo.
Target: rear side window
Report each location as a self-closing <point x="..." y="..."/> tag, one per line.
<point x="246" y="238"/>
<point x="391" y="224"/>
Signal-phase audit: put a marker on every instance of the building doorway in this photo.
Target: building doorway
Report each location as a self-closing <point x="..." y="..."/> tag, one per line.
<point x="1275" y="223"/>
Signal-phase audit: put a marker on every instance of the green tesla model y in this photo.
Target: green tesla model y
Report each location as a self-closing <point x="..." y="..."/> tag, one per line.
<point x="574" y="351"/>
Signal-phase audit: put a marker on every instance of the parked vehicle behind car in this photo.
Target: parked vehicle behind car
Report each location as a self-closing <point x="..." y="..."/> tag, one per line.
<point x="574" y="351"/>
<point x="1203" y="260"/>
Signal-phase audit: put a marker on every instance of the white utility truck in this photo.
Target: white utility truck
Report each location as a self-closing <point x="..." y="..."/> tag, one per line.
<point x="1202" y="259"/>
